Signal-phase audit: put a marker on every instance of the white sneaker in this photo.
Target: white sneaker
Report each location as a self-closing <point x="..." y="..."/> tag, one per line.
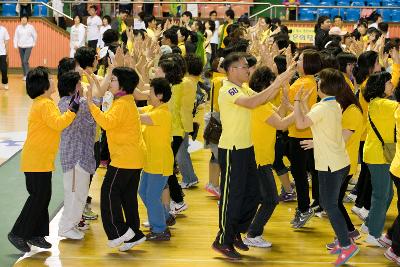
<point x="178" y="208"/>
<point x="364" y="229"/>
<point x="363" y="214"/>
<point x="355" y="210"/>
<point x="127" y="246"/>
<point x="74" y="234"/>
<point x="125" y="237"/>
<point x="188" y="185"/>
<point x="350" y="198"/>
<point x="371" y="240"/>
<point x="385" y="241"/>
<point x="146" y="224"/>
<point x="24" y="78"/>
<point x="5" y="86"/>
<point x="257" y="241"/>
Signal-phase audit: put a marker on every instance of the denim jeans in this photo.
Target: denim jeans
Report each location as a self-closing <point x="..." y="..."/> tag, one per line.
<point x="185" y="162"/>
<point x="269" y="200"/>
<point x="382" y="194"/>
<point x="150" y="190"/>
<point x="329" y="191"/>
<point x="25" y="54"/>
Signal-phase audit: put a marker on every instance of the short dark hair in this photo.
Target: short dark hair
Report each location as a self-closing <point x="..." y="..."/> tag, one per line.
<point x="110" y="36"/>
<point x="94" y="7"/>
<point x="148" y="19"/>
<point x="376" y="17"/>
<point x="172" y="71"/>
<point x="230" y="13"/>
<point x="187" y="14"/>
<point x="365" y="63"/>
<point x="194" y="64"/>
<point x="383" y="26"/>
<point x="251" y="60"/>
<point x="66" y="64"/>
<point x="162" y="86"/>
<point x="139" y="32"/>
<point x="24" y="16"/>
<point x="328" y="60"/>
<point x="276" y="21"/>
<point x="280" y="62"/>
<point x="128" y="79"/>
<point x="37" y="81"/>
<point x="85" y="56"/>
<point x="213" y="12"/>
<point x="67" y="83"/>
<point x="376" y="85"/>
<point x="108" y="18"/>
<point x="332" y="81"/>
<point x="344" y="59"/>
<point x="178" y="58"/>
<point x="337" y="17"/>
<point x="312" y="63"/>
<point x="232" y="58"/>
<point x="261" y="78"/>
<point x="80" y="18"/>
<point x="171" y="35"/>
<point x="212" y="25"/>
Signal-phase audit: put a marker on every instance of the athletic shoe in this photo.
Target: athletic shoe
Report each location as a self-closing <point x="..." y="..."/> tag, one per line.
<point x="39" y="241"/>
<point x="287" y="197"/>
<point x="346" y="254"/>
<point x="82" y="225"/>
<point x="18" y="242"/>
<point x="74" y="234"/>
<point x="171" y="220"/>
<point x="139" y="238"/>
<point x="213" y="190"/>
<point x="333" y="246"/>
<point x="227" y="251"/>
<point x="303" y="218"/>
<point x="24" y="78"/>
<point x="353" y="181"/>
<point x="296" y="217"/>
<point x="355" y="235"/>
<point x="177" y="208"/>
<point x="364" y="229"/>
<point x="389" y="254"/>
<point x="350" y="187"/>
<point x="319" y="212"/>
<point x="146" y="224"/>
<point x="125" y="237"/>
<point x="88" y="214"/>
<point x="385" y="241"/>
<point x="238" y="243"/>
<point x="163" y="236"/>
<point x="349" y="198"/>
<point x="363" y="214"/>
<point x="188" y="185"/>
<point x="355" y="210"/>
<point x="372" y="241"/>
<point x="5" y="86"/>
<point x="257" y="241"/>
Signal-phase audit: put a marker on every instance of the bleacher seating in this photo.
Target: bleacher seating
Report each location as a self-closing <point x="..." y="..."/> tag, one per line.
<point x="9" y="10"/>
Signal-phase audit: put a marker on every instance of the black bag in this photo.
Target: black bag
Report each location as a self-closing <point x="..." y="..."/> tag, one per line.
<point x="213" y="130"/>
<point x="389" y="149"/>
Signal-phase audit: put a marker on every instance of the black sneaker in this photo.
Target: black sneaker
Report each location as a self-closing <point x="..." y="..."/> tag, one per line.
<point x="18" y="242"/>
<point x="227" y="251"/>
<point x="171" y="220"/>
<point x="296" y="217"/>
<point x="163" y="236"/>
<point x="303" y="218"/>
<point x="39" y="241"/>
<point x="238" y="243"/>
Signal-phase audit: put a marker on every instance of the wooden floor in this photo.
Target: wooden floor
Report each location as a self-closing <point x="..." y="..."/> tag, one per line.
<point x="194" y="231"/>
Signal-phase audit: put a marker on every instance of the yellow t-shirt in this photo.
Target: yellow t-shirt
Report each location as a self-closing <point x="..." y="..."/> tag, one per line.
<point x="263" y="134"/>
<point x="381" y="111"/>
<point x="329" y="147"/>
<point x="235" y="119"/>
<point x="395" y="166"/>
<point x="353" y="120"/>
<point x="348" y="81"/>
<point x="123" y="128"/>
<point x="224" y="33"/>
<point x="306" y="82"/>
<point x="217" y="84"/>
<point x="45" y="124"/>
<point x="160" y="159"/>
<point x="182" y="47"/>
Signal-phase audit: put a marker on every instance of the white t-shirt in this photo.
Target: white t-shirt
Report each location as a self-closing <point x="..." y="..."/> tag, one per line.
<point x="4" y="36"/>
<point x="100" y="43"/>
<point x="93" y="28"/>
<point x="77" y="38"/>
<point x="214" y="39"/>
<point x="138" y="24"/>
<point x="25" y="36"/>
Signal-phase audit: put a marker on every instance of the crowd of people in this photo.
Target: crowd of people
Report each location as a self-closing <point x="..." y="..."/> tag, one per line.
<point x="129" y="94"/>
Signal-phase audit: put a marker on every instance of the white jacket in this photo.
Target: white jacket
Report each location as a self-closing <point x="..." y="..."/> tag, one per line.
<point x="25" y="36"/>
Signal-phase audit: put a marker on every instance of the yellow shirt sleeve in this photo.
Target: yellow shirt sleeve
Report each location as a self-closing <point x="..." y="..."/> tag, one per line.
<point x="264" y="112"/>
<point x="187" y="105"/>
<point x="52" y="117"/>
<point x="107" y="120"/>
<point x="157" y="117"/>
<point x="395" y="74"/>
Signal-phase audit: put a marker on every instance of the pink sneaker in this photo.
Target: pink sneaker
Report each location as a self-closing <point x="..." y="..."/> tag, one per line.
<point x="346" y="254"/>
<point x="213" y="190"/>
<point x="385" y="241"/>
<point x="389" y="254"/>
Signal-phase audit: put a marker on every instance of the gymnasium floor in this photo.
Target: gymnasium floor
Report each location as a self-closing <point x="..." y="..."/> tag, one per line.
<point x="194" y="231"/>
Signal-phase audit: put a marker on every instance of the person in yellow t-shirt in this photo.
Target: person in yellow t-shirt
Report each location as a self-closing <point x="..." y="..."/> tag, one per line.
<point x="222" y="31"/>
<point x="265" y="120"/>
<point x="157" y="123"/>
<point x="239" y="185"/>
<point x="347" y="61"/>
<point x="45" y="124"/>
<point x="380" y="122"/>
<point x="301" y="160"/>
<point x="331" y="158"/>
<point x="128" y="155"/>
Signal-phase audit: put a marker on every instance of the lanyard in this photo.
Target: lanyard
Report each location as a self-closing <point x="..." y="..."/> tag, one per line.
<point x="329" y="98"/>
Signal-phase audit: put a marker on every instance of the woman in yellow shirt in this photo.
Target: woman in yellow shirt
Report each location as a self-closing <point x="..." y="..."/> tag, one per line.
<point x="127" y="151"/>
<point x="157" y="122"/>
<point x="347" y="61"/>
<point x="301" y="160"/>
<point x="45" y="124"/>
<point x="380" y="120"/>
